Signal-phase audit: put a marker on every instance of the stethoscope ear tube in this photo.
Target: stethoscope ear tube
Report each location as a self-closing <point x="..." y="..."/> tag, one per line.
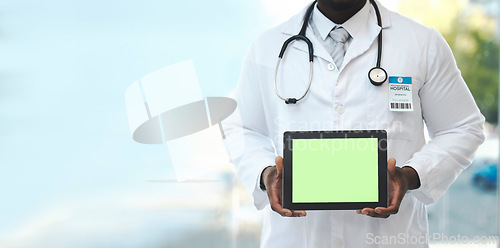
<point x="298" y="37"/>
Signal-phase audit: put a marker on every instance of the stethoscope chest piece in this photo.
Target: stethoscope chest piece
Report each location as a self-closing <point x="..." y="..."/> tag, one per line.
<point x="377" y="76"/>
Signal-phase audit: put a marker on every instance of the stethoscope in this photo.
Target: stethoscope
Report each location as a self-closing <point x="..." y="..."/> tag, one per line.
<point x="377" y="74"/>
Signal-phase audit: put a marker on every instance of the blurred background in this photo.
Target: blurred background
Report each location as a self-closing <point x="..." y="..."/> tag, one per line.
<point x="72" y="176"/>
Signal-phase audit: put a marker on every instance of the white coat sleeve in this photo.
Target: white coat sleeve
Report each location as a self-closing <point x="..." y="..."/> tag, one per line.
<point x="454" y="122"/>
<point x="247" y="137"/>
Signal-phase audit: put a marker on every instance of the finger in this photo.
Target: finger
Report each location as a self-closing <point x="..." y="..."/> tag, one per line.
<point x="279" y="165"/>
<point x="299" y="213"/>
<point x="280" y="196"/>
<point x="276" y="207"/>
<point x="275" y="201"/>
<point x="386" y="211"/>
<point x="366" y="211"/>
<point x="371" y="212"/>
<point x="391" y="167"/>
<point x="394" y="205"/>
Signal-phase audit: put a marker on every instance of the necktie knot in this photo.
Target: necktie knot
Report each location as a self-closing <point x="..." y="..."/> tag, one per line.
<point x="339" y="37"/>
<point x="339" y="34"/>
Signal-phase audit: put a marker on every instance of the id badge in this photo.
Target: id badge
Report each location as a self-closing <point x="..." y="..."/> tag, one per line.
<point x="400" y="94"/>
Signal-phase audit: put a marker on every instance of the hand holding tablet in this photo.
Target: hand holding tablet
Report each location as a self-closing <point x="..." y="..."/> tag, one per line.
<point x="272" y="178"/>
<point x="400" y="181"/>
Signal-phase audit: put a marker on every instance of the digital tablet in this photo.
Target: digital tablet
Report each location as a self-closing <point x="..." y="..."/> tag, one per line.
<point x="335" y="170"/>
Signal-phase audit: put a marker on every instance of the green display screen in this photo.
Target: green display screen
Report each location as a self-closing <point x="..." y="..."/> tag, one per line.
<point x="335" y="170"/>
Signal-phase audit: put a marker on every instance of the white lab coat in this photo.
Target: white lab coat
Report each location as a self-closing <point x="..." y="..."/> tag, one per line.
<point x="345" y="99"/>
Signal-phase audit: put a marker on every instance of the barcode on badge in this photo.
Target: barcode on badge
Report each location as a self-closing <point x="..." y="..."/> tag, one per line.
<point x="401" y="105"/>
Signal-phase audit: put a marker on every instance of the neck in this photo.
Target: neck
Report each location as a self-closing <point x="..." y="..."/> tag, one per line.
<point x="339" y="16"/>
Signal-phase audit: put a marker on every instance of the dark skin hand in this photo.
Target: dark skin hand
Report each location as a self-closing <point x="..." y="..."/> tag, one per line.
<point x="272" y="177"/>
<point x="339" y="11"/>
<point x="400" y="181"/>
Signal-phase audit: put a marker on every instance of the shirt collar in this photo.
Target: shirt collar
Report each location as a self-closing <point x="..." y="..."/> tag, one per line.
<point x="325" y="25"/>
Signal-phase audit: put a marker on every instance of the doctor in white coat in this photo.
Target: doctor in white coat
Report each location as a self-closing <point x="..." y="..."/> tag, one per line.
<point x="341" y="97"/>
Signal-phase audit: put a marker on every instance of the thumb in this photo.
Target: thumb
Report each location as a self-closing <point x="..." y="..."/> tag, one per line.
<point x="279" y="165"/>
<point x="391" y="167"/>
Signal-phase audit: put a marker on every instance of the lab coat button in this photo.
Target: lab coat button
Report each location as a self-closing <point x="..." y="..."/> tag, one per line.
<point x="331" y="66"/>
<point x="340" y="109"/>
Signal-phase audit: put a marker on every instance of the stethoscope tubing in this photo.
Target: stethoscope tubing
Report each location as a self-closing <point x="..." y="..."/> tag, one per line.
<point x="292" y="100"/>
<point x="377" y="70"/>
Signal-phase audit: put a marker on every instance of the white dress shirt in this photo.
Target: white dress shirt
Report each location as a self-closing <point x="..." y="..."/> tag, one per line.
<point x="342" y="99"/>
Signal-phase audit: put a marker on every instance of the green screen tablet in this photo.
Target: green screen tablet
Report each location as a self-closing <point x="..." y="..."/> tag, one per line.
<point x="328" y="170"/>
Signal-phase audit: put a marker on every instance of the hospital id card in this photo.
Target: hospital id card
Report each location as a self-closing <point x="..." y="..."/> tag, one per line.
<point x="400" y="94"/>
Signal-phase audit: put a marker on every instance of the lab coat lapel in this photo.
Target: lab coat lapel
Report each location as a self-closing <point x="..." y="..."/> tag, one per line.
<point x="292" y="28"/>
<point x="319" y="50"/>
<point x="367" y="35"/>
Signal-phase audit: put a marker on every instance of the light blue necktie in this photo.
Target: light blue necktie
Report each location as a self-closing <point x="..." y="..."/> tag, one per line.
<point x="339" y="36"/>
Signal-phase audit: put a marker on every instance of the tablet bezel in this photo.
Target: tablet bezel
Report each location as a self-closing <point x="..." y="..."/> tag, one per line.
<point x="289" y="136"/>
